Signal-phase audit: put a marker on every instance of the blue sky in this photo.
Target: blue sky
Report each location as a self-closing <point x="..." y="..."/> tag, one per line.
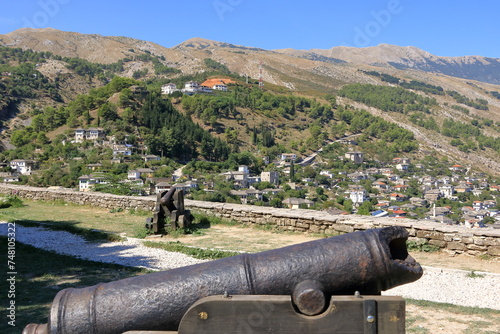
<point x="441" y="27"/>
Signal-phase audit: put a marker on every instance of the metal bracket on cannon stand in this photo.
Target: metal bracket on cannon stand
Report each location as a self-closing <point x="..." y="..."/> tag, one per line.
<point x="278" y="314"/>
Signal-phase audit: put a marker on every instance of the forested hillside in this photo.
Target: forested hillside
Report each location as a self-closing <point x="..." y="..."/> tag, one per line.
<point x="124" y="99"/>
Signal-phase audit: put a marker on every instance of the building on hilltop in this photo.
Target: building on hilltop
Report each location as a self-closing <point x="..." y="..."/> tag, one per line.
<point x="217" y="83"/>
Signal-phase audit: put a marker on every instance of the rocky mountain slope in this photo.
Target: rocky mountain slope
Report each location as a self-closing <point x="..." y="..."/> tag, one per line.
<point x="310" y="73"/>
<point x="391" y="56"/>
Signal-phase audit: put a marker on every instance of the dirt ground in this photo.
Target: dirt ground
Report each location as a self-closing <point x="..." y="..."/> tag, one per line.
<point x="420" y="319"/>
<point x="256" y="240"/>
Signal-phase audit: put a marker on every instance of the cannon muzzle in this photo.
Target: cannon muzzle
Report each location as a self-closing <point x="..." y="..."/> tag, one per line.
<point x="368" y="261"/>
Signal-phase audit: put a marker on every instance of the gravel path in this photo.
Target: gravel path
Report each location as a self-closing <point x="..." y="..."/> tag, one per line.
<point x="439" y="285"/>
<point x="130" y="253"/>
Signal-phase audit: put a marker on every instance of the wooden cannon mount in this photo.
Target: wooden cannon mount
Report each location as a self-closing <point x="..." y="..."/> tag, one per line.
<point x="169" y="204"/>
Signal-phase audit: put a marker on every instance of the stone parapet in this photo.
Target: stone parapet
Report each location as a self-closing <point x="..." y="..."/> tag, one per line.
<point x="455" y="239"/>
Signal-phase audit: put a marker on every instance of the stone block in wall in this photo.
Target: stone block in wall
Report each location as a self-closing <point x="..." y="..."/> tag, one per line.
<point x="467" y="240"/>
<point x="494" y="250"/>
<point x="476" y="247"/>
<point x="343" y="228"/>
<point x="363" y="226"/>
<point x="430" y="235"/>
<point x="448" y="237"/>
<point x="302" y="225"/>
<point x="314" y="228"/>
<point x="453" y="245"/>
<point x="489" y="241"/>
<point x="474" y="252"/>
<point x="438" y="243"/>
<point x="479" y="241"/>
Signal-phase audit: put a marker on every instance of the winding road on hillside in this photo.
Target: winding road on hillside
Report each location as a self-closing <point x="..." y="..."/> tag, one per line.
<point x="309" y="159"/>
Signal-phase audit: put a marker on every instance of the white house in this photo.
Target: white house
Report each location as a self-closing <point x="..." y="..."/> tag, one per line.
<point x="86" y="182"/>
<point x="358" y="195"/>
<point x="356" y="157"/>
<point x="169" y="88"/>
<point x="162" y="186"/>
<point x="296" y="203"/>
<point x="150" y="157"/>
<point x="327" y="173"/>
<point x="205" y="89"/>
<point x="271" y="177"/>
<point x="134" y="174"/>
<point x="11" y="178"/>
<point x="220" y="86"/>
<point x="247" y="195"/>
<point x="288" y="157"/>
<point x="447" y="191"/>
<point x="22" y="166"/>
<point x="122" y="150"/>
<point x="191" y="87"/>
<point x="89" y="134"/>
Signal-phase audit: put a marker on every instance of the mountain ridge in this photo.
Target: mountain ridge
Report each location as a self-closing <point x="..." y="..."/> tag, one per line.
<point x="91" y="46"/>
<point x="411" y="57"/>
<point x="298" y="72"/>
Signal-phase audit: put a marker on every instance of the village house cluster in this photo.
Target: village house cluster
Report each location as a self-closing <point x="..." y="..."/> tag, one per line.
<point x="392" y="187"/>
<point x="193" y="87"/>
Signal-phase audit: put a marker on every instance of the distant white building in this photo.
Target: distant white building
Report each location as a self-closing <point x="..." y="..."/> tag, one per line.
<point x="86" y="182"/>
<point x="169" y="88"/>
<point x="22" y="166"/>
<point x="358" y="195"/>
<point x="205" y="89"/>
<point x="296" y="203"/>
<point x="135" y="174"/>
<point x="248" y="195"/>
<point x="122" y="150"/>
<point x="89" y="134"/>
<point x="447" y="191"/>
<point x="271" y="177"/>
<point x="221" y="87"/>
<point x="191" y="87"/>
<point x="288" y="157"/>
<point x="356" y="157"/>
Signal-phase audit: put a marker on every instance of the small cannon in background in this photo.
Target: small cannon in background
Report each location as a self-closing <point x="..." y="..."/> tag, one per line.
<point x="295" y="289"/>
<point x="169" y="203"/>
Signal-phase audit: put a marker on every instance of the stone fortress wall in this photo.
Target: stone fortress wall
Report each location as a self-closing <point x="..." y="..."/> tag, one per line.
<point x="453" y="239"/>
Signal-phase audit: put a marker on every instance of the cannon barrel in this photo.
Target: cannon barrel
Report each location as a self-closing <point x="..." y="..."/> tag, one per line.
<point x="368" y="261"/>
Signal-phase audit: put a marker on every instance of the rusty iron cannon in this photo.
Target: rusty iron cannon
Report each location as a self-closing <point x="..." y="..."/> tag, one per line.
<point x="295" y="288"/>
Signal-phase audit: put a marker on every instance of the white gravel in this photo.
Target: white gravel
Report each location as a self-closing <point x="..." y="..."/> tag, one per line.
<point x="437" y="284"/>
<point x="453" y="286"/>
<point x="130" y="253"/>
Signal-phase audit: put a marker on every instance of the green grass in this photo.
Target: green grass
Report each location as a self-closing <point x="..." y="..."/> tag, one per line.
<point x="79" y="216"/>
<point x="198" y="253"/>
<point x="473" y="274"/>
<point x="41" y="274"/>
<point x="418" y="246"/>
<point x="466" y="310"/>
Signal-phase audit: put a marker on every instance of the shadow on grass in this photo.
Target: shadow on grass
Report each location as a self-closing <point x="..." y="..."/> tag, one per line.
<point x="72" y="240"/>
<point x="41" y="274"/>
<point x="91" y="235"/>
